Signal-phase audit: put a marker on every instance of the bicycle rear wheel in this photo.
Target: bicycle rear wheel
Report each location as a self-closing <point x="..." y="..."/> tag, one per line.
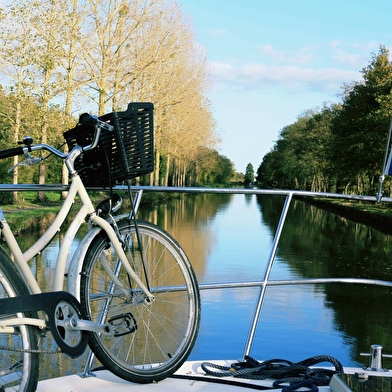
<point x="165" y="330"/>
<point x="18" y="365"/>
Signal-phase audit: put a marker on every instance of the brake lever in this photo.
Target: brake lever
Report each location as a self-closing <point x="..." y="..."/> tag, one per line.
<point x="29" y="161"/>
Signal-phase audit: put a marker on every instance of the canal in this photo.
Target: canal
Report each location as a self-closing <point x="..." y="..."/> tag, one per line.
<point x="228" y="238"/>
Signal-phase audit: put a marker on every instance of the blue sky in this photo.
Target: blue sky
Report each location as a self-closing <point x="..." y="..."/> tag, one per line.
<point x="271" y="60"/>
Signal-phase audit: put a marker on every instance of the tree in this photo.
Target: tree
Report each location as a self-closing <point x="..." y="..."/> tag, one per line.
<point x="209" y="168"/>
<point x="48" y="25"/>
<point x="17" y="35"/>
<point x="31" y="32"/>
<point x="269" y="173"/>
<point x="249" y="174"/>
<point x="147" y="51"/>
<point x="341" y="146"/>
<point x="301" y="158"/>
<point x="102" y="54"/>
<point x="360" y="130"/>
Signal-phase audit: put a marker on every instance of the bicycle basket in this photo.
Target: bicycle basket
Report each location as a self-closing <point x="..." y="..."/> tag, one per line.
<point x="125" y="153"/>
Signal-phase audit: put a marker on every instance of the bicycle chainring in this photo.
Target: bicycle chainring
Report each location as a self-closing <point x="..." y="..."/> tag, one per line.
<point x="70" y="341"/>
<point x="59" y="306"/>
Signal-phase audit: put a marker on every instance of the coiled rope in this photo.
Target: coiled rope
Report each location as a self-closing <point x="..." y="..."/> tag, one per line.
<point x="297" y="375"/>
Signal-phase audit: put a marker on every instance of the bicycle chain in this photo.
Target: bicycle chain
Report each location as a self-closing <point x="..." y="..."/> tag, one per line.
<point x="26" y="350"/>
<point x="31" y="351"/>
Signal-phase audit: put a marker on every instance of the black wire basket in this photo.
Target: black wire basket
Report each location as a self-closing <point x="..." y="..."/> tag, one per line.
<point x="123" y="154"/>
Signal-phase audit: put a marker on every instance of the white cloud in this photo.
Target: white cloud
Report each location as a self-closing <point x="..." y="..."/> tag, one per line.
<point x="253" y="76"/>
<point x="336" y="54"/>
<point x="355" y="55"/>
<point x="323" y="69"/>
<point x="301" y="56"/>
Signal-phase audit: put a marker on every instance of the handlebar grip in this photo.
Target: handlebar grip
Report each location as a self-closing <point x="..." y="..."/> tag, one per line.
<point x="86" y="118"/>
<point x="11" y="152"/>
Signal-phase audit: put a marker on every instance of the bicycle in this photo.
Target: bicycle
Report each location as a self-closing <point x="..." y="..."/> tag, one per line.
<point x="131" y="292"/>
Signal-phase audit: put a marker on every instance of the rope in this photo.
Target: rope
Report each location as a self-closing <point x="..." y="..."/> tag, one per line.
<point x="297" y="375"/>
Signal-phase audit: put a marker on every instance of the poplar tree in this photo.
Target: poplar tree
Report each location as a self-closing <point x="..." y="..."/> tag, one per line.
<point x="16" y="56"/>
<point x="98" y="55"/>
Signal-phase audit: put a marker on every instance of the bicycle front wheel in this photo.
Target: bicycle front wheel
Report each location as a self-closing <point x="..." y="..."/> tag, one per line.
<point x="161" y="334"/>
<point x="18" y="345"/>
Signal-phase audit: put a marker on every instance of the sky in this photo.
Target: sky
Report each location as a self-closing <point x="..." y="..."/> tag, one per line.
<point x="272" y="60"/>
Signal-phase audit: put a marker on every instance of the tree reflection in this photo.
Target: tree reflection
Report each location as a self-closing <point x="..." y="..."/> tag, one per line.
<point x="316" y="243"/>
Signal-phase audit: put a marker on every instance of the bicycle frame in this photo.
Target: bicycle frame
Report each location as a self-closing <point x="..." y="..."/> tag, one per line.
<point x="86" y="210"/>
<point x="106" y="306"/>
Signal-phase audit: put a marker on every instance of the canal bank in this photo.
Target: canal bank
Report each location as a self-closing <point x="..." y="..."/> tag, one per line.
<point x="373" y="214"/>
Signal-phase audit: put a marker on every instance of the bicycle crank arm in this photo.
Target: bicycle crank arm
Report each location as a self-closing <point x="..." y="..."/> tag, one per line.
<point x="117" y="326"/>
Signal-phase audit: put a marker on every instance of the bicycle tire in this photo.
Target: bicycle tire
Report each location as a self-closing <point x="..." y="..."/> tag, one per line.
<point x="166" y="329"/>
<point x="18" y="365"/>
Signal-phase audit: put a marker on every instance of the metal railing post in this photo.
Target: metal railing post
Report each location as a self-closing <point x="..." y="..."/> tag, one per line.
<point x="267" y="274"/>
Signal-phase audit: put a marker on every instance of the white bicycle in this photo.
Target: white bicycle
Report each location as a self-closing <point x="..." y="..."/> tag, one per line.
<point x="131" y="293"/>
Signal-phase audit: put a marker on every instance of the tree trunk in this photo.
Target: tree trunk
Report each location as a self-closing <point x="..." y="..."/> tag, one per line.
<point x="15" y="174"/>
<point x="157" y="164"/>
<point x="64" y="178"/>
<point x="166" y="178"/>
<point x="41" y="181"/>
<point x="42" y="166"/>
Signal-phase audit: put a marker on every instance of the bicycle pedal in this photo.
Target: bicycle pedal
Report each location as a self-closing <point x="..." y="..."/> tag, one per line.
<point x="122" y="324"/>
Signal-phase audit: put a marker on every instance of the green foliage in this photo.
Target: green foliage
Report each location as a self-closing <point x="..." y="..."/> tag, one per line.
<point x="340" y="147"/>
<point x="210" y="168"/>
<point x="249" y="174"/>
<point x="360" y="130"/>
<point x="300" y="158"/>
<point x="6" y="198"/>
<point x="30" y="126"/>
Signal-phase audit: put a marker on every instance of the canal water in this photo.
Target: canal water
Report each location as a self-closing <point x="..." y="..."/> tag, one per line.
<point x="228" y="238"/>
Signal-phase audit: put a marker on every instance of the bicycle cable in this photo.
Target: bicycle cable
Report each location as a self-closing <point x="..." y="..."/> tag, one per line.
<point x="140" y="245"/>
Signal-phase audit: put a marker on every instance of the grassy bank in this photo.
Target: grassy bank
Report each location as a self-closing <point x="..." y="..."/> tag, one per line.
<point x="28" y="215"/>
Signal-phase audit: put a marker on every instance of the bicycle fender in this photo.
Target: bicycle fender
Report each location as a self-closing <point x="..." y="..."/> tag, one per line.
<point x="76" y="264"/>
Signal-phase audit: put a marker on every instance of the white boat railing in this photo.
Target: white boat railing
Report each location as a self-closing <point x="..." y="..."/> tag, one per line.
<point x="265" y="280"/>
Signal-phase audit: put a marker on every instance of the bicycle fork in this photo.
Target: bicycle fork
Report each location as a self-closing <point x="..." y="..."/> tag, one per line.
<point x="123" y="258"/>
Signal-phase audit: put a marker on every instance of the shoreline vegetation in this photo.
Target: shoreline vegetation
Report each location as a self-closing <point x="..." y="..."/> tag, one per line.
<point x="28" y="215"/>
<point x="372" y="214"/>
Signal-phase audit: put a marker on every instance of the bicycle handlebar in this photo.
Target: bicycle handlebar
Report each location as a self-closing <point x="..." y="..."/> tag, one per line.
<point x="11" y="152"/>
<point x="85" y="118"/>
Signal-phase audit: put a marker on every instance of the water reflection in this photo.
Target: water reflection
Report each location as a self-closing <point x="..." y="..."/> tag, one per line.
<point x="229" y="237"/>
<point x="315" y="244"/>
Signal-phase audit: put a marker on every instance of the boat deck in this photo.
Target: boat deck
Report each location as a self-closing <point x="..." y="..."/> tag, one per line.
<point x="190" y="377"/>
